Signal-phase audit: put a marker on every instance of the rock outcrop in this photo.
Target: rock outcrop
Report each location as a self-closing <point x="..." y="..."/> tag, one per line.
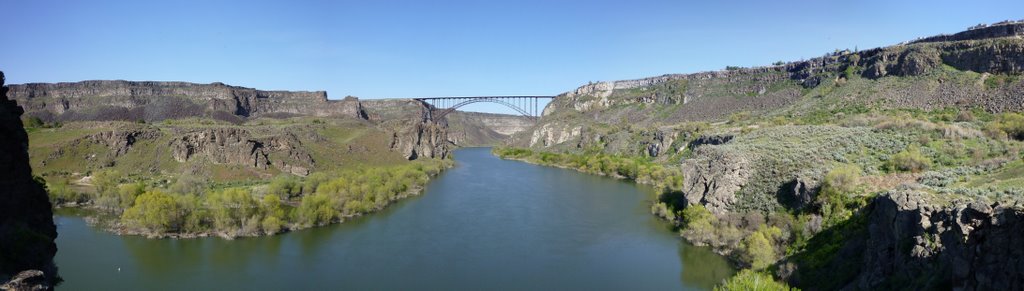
<point x="478" y="129"/>
<point x="709" y="96"/>
<point x="714" y="177"/>
<point x="916" y="242"/>
<point x="415" y="135"/>
<point x="27" y="231"/>
<point x="31" y="280"/>
<point x="241" y="147"/>
<point x="154" y="101"/>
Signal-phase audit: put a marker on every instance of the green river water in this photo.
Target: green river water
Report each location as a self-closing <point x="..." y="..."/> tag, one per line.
<point x="485" y="224"/>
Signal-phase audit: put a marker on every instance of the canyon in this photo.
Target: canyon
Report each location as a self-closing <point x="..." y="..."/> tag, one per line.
<point x="752" y="143"/>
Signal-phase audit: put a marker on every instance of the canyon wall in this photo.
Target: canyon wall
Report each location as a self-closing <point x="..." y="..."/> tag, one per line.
<point x="27" y="231"/>
<point x="154" y="101"/>
<point x="751" y="140"/>
<point x="484" y="129"/>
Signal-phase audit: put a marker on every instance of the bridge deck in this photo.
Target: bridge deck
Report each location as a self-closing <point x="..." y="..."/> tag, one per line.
<point x="478" y="97"/>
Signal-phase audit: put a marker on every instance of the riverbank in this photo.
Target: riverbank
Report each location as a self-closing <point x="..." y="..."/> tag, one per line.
<point x="285" y="204"/>
<point x="484" y="224"/>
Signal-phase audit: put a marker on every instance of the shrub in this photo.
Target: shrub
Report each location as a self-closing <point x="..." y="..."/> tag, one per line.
<point x="1012" y="124"/>
<point x="910" y="160"/>
<point x="33" y="121"/>
<point x="660" y="209"/>
<point x="749" y="280"/>
<point x="189" y="185"/>
<point x="154" y="211"/>
<point x="195" y="217"/>
<point x="843" y="179"/>
<point x="758" y="249"/>
<point x="316" y="209"/>
<point x="127" y="193"/>
<point x="61" y="192"/>
<point x="272" y="225"/>
<point x="854" y="59"/>
<point x="285" y="185"/>
<point x="699" y="223"/>
<point x="106" y="182"/>
<point x="312" y="181"/>
<point x="231" y="207"/>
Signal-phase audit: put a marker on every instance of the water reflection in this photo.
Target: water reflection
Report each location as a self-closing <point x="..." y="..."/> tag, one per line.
<point x="705" y="267"/>
<point x="486" y="224"/>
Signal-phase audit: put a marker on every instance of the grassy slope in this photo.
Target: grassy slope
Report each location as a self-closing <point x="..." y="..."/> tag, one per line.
<point x="847" y="119"/>
<point x="333" y="144"/>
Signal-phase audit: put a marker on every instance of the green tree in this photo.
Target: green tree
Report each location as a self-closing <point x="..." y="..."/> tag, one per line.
<point x="285" y="186"/>
<point x="700" y="223"/>
<point x="61" y="192"/>
<point x="231" y="207"/>
<point x="749" y="280"/>
<point x="105" y="183"/>
<point x="126" y="193"/>
<point x="313" y="181"/>
<point x="272" y="224"/>
<point x="154" y="211"/>
<point x="316" y="209"/>
<point x="196" y="218"/>
<point x="189" y="184"/>
<point x="758" y="249"/>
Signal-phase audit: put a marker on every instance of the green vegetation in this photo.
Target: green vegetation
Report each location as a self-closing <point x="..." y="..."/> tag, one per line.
<point x="747" y="280"/>
<point x="758" y="248"/>
<point x="850" y="153"/>
<point x="910" y="160"/>
<point x="319" y="199"/>
<point x="836" y="200"/>
<point x="638" y="169"/>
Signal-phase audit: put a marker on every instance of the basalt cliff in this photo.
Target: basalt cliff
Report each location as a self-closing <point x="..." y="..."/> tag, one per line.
<point x="926" y="127"/>
<point x="27" y="231"/>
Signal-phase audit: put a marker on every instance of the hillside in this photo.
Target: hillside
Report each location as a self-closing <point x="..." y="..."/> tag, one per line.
<point x="894" y="166"/>
<point x="130" y="150"/>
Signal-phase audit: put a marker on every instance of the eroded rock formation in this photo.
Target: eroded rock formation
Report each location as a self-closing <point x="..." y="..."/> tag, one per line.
<point x="154" y="101"/>
<point x="27" y="231"/>
<point x="916" y="242"/>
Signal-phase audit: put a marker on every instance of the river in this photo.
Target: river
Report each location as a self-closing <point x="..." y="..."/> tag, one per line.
<point x="487" y="223"/>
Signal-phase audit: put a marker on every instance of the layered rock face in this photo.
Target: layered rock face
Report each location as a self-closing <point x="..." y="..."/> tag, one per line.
<point x="913" y="241"/>
<point x="415" y="135"/>
<point x="713" y="95"/>
<point x="153" y="101"/>
<point x="476" y="129"/>
<point x="239" y="146"/>
<point x="27" y="231"/>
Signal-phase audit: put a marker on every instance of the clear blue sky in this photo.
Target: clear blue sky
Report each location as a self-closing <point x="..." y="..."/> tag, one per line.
<point x="377" y="49"/>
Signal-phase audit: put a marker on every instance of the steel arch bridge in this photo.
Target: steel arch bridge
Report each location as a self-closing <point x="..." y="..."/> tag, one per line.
<point x="528" y="106"/>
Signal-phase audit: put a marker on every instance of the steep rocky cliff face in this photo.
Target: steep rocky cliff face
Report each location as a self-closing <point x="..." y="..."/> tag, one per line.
<point x="967" y="245"/>
<point x="27" y="231"/>
<point x="154" y="101"/>
<point x="911" y="239"/>
<point x="157" y="101"/>
<point x="711" y="96"/>
<point x="754" y="142"/>
<point x="414" y="135"/>
<point x="481" y="129"/>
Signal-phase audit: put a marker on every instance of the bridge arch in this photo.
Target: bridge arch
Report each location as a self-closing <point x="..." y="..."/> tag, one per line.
<point x="441" y="106"/>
